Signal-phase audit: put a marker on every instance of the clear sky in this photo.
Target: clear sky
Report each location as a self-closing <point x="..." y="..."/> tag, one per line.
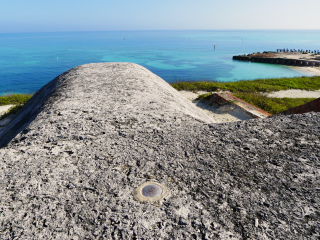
<point x="100" y="15"/>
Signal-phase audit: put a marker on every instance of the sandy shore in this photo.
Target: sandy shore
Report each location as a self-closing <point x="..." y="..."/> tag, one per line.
<point x="310" y="71"/>
<point x="219" y="114"/>
<point x="294" y="93"/>
<point x="5" y="108"/>
<point x="295" y="55"/>
<point x="303" y="62"/>
<point x="223" y="114"/>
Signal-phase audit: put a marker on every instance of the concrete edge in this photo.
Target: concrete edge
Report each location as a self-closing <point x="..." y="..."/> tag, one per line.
<point x="222" y="98"/>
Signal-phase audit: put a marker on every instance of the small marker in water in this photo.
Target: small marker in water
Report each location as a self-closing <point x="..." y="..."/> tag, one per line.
<point x="57" y="58"/>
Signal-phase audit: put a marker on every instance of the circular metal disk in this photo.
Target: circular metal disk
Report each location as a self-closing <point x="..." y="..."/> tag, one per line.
<point x="150" y="192"/>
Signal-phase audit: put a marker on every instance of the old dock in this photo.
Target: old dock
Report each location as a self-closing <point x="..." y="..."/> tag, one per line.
<point x="290" y="57"/>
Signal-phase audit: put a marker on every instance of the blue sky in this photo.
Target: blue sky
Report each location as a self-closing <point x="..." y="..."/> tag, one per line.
<point x="100" y="15"/>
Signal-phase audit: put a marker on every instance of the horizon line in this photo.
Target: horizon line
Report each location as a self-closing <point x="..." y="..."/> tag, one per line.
<point x="147" y="30"/>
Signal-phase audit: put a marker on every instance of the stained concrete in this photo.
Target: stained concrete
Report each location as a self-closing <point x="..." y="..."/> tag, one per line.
<point x="72" y="158"/>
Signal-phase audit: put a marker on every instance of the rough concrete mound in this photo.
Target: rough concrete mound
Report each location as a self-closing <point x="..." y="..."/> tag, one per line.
<point x="117" y="89"/>
<point x="75" y="155"/>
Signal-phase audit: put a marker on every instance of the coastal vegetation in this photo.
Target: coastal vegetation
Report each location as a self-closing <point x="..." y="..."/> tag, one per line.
<point x="17" y="100"/>
<point x="260" y="85"/>
<point x="14" y="99"/>
<point x="249" y="91"/>
<point x="253" y="91"/>
<point x="270" y="105"/>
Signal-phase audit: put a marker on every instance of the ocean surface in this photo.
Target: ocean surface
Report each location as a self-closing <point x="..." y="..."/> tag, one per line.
<point x="30" y="60"/>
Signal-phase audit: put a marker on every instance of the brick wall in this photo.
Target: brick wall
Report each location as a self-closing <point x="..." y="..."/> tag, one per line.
<point x="313" y="106"/>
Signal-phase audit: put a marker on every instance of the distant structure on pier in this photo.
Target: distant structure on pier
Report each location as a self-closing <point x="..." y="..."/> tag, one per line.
<point x="299" y="50"/>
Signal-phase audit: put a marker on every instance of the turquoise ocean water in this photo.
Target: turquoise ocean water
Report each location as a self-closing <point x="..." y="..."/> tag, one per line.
<point x="30" y="60"/>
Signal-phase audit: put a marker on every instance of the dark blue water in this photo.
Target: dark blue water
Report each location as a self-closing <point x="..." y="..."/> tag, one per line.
<point x="30" y="60"/>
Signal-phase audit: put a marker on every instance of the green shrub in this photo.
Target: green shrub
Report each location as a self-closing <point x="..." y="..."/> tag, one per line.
<point x="204" y="97"/>
<point x="14" y="99"/>
<point x="260" y="85"/>
<point x="18" y="100"/>
<point x="271" y="105"/>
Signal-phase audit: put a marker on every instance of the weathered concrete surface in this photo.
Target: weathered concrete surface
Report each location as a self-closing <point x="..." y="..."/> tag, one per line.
<point x="107" y="128"/>
<point x="107" y="90"/>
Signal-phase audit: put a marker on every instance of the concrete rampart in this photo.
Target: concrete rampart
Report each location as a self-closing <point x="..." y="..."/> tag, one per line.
<point x="74" y="161"/>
